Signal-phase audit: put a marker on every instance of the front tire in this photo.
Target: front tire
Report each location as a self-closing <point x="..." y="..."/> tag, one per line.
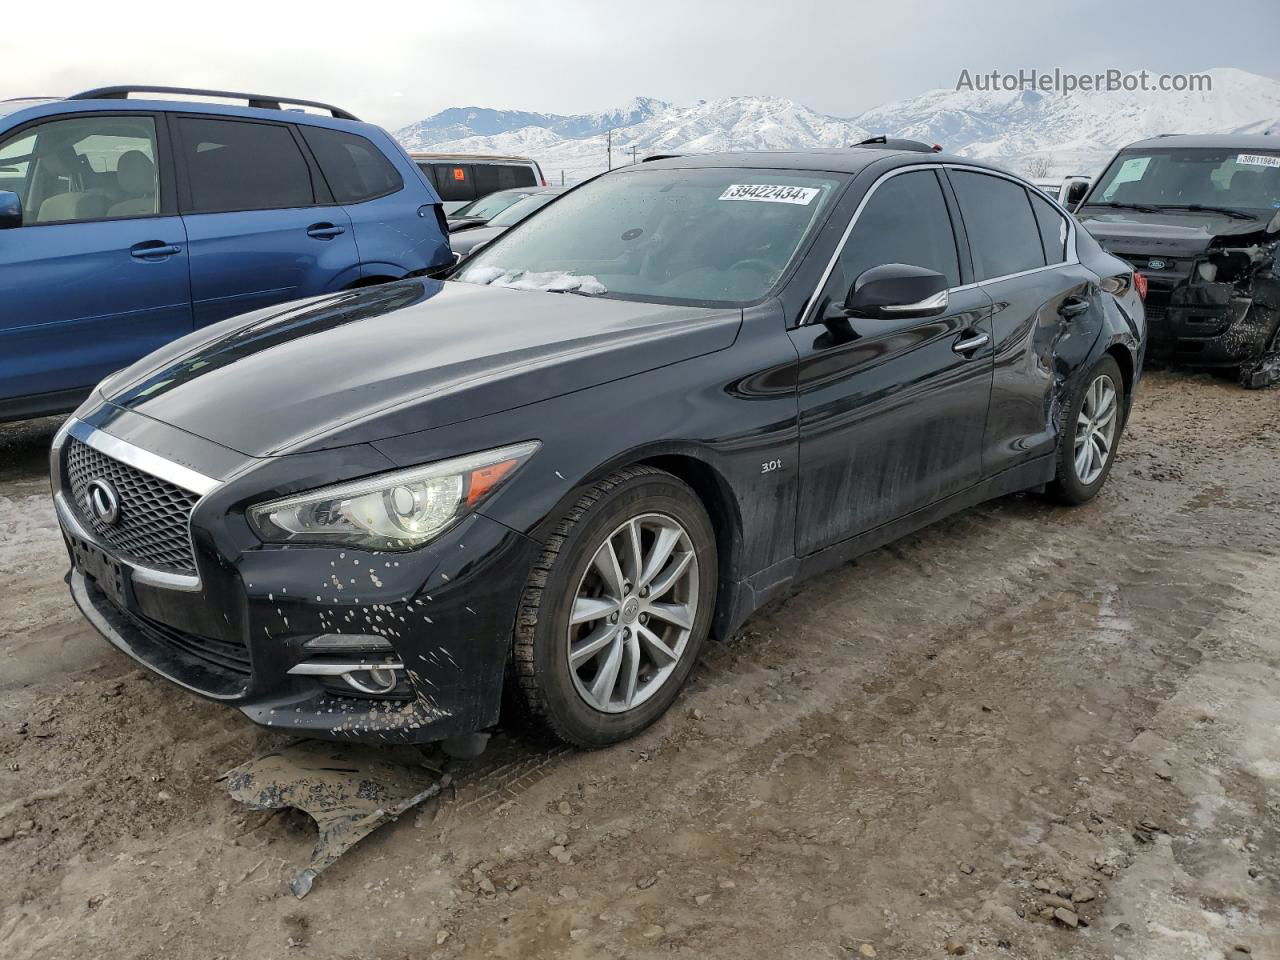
<point x="617" y="608"/>
<point x="1093" y="422"/>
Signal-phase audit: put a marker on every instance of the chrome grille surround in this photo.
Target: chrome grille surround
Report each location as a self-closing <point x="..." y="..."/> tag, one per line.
<point x="154" y="537"/>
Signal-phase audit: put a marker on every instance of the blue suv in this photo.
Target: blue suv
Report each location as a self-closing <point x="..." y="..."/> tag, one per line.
<point x="127" y="222"/>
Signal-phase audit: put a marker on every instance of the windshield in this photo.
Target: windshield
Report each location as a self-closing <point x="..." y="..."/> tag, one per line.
<point x="1179" y="178"/>
<point x="521" y="209"/>
<point x="490" y="206"/>
<point x="716" y="236"/>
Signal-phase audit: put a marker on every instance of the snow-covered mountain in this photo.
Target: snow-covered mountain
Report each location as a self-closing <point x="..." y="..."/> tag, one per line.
<point x="1074" y="134"/>
<point x="578" y="145"/>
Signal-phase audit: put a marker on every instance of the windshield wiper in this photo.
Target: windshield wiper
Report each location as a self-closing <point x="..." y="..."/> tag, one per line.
<point x="1141" y="207"/>
<point x="1208" y="208"/>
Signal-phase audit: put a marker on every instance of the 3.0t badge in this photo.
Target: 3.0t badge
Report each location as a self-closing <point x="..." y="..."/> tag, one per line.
<point x="103" y="500"/>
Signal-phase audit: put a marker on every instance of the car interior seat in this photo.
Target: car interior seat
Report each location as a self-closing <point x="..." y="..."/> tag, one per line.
<point x="136" y="178"/>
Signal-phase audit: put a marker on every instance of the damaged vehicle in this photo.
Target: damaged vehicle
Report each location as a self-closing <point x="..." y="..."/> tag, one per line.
<point x="1199" y="216"/>
<point x="620" y="428"/>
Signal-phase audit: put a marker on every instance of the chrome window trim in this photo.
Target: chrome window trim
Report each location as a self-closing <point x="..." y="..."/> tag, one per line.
<point x="811" y="308"/>
<point x="139" y="459"/>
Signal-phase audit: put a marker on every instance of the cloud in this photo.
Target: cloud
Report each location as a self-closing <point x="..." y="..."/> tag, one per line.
<point x="395" y="62"/>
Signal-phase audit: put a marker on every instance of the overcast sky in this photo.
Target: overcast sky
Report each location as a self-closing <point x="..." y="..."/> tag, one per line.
<point x="392" y="62"/>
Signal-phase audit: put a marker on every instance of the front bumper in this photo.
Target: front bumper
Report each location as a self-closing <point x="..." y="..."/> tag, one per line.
<point x="234" y="635"/>
<point x="1203" y="324"/>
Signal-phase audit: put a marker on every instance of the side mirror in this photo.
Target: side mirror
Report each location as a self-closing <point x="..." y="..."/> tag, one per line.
<point x="10" y="210"/>
<point x="1075" y="193"/>
<point x="897" y="291"/>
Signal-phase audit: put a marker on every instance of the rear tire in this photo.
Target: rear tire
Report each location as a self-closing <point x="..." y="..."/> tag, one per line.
<point x="1090" y="434"/>
<point x="639" y="625"/>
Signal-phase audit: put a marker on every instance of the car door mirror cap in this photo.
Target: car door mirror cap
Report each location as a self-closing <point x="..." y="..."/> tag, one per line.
<point x="10" y="210"/>
<point x="897" y="291"/>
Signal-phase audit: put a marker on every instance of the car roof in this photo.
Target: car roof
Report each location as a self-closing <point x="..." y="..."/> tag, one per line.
<point x="1211" y="141"/>
<point x="38" y="108"/>
<point x="819" y="160"/>
<point x="469" y="157"/>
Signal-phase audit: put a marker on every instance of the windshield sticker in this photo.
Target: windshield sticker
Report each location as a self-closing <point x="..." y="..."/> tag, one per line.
<point x="770" y="193"/>
<point x="1256" y="160"/>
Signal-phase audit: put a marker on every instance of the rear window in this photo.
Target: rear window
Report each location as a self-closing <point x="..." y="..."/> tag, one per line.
<point x="1053" y="229"/>
<point x="1003" y="233"/>
<point x="354" y="168"/>
<point x="237" y="165"/>
<point x="455" y="181"/>
<point x="491" y="177"/>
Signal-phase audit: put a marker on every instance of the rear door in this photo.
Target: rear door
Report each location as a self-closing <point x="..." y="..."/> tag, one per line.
<point x="396" y="227"/>
<point x="1041" y="296"/>
<point x="892" y="414"/>
<point x="96" y="276"/>
<point x="261" y="225"/>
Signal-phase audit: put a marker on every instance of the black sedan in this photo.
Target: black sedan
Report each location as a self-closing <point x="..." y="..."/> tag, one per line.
<point x="656" y="404"/>
<point x="479" y="212"/>
<point x="466" y="242"/>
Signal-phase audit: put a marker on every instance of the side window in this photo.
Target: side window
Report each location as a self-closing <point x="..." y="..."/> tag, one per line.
<point x="492" y="177"/>
<point x="1003" y="234"/>
<point x="455" y="181"/>
<point x="905" y="221"/>
<point x="429" y="172"/>
<point x="83" y="168"/>
<point x="236" y="165"/>
<point x="1053" y="229"/>
<point x="355" y="169"/>
<point x="15" y="163"/>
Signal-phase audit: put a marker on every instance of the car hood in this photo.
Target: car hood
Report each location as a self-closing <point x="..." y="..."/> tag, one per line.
<point x="383" y="361"/>
<point x="1130" y="233"/>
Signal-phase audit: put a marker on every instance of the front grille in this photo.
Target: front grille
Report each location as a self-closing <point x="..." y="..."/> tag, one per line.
<point x="152" y="527"/>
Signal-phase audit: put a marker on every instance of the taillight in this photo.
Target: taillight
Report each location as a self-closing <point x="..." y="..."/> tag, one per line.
<point x="1122" y="283"/>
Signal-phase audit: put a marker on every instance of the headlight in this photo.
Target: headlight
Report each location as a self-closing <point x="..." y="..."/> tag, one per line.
<point x="393" y="511"/>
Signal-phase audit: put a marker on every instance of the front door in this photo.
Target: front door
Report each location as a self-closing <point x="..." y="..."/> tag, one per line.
<point x="891" y="412"/>
<point x="96" y="276"/>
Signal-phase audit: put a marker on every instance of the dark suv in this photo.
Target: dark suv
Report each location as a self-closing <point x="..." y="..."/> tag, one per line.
<point x="126" y="223"/>
<point x="1200" y="217"/>
<point x="642" y="412"/>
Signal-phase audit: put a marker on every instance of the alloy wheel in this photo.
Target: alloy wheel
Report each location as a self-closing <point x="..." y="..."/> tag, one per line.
<point x="633" y="613"/>
<point x="1096" y="430"/>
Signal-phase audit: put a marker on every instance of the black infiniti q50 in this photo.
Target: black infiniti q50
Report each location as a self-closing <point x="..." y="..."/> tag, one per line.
<point x="661" y="401"/>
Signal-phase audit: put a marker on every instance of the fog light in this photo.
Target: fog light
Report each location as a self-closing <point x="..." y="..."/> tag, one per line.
<point x="381" y="680"/>
<point x="347" y="643"/>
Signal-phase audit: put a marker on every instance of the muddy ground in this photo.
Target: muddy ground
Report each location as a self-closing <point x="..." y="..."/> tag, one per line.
<point x="902" y="759"/>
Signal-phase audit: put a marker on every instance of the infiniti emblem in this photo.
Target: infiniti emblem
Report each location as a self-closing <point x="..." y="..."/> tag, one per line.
<point x="103" y="501"/>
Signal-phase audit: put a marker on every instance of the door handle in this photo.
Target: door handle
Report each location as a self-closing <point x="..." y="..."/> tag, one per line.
<point x="970" y="344"/>
<point x="153" y="250"/>
<point x="1073" y="307"/>
<point x="325" y="231"/>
